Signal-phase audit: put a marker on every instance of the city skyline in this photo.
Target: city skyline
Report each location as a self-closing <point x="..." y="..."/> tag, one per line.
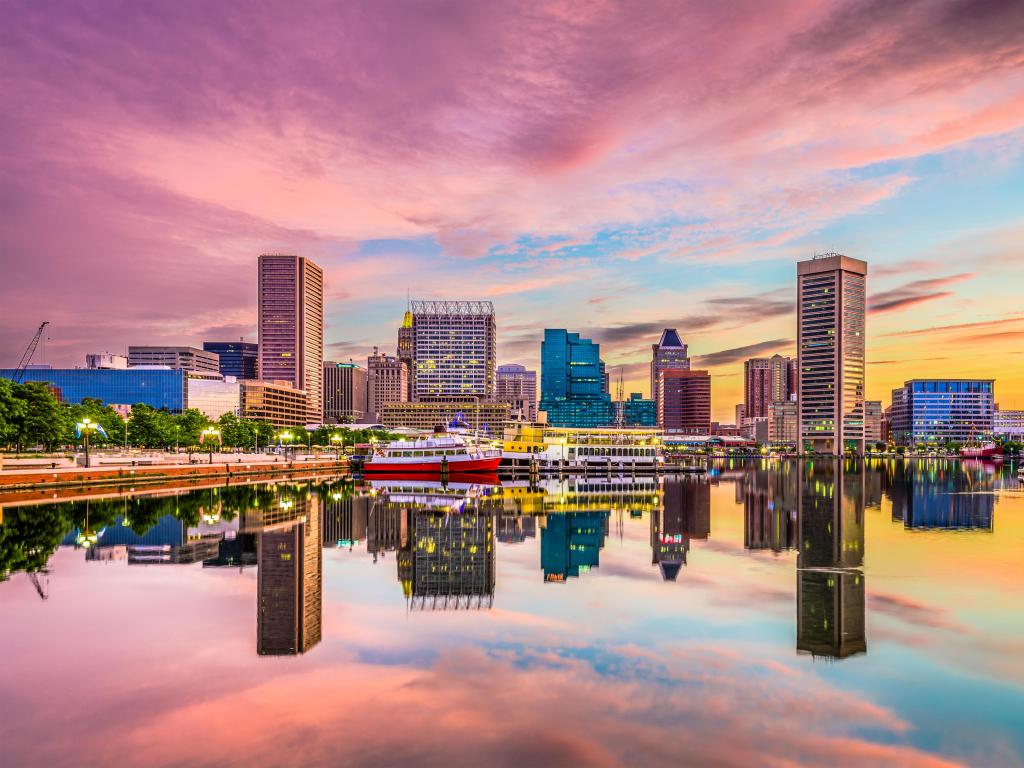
<point x="604" y="184"/>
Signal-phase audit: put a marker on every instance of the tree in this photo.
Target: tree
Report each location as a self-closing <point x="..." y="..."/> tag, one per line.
<point x="149" y="427"/>
<point x="94" y="410"/>
<point x="44" y="420"/>
<point x="190" y="424"/>
<point x="12" y="411"/>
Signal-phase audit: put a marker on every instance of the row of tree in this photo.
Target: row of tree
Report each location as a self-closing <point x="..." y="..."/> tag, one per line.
<point x="30" y="416"/>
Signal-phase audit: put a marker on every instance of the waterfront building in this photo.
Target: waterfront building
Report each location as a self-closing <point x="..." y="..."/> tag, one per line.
<point x="237" y="358"/>
<point x="830" y="343"/>
<point x="741" y="414"/>
<point x="213" y="396"/>
<point x="783" y="423"/>
<point x="291" y="326"/>
<point x="1008" y="424"/>
<point x="938" y="411"/>
<point x="767" y="380"/>
<point x="518" y="387"/>
<point x="830" y="595"/>
<point x="684" y="401"/>
<point x="289" y="580"/>
<point x="405" y="349"/>
<point x="571" y="543"/>
<point x="873" y="422"/>
<point x="387" y="382"/>
<point x="276" y="402"/>
<point x="454" y="350"/>
<point x="669" y="353"/>
<point x="487" y="418"/>
<point x="572" y="385"/>
<point x="344" y="393"/>
<point x="106" y="361"/>
<point x="185" y="358"/>
<point x="638" y="411"/>
<point x="160" y="387"/>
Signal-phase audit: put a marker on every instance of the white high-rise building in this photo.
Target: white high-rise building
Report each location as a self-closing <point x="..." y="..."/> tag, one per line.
<point x="830" y="343"/>
<point x="454" y="350"/>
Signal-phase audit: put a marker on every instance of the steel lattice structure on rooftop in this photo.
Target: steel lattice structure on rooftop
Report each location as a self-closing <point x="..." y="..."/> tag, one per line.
<point x="441" y="307"/>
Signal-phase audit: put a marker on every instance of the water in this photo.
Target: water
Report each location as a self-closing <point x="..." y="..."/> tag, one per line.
<point x="775" y="614"/>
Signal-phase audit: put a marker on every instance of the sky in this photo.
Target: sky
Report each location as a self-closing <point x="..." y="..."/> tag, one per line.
<point x="611" y="168"/>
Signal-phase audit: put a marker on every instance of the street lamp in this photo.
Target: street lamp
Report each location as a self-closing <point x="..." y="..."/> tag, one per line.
<point x="284" y="437"/>
<point x="83" y="429"/>
<point x="209" y="435"/>
<point x="338" y="440"/>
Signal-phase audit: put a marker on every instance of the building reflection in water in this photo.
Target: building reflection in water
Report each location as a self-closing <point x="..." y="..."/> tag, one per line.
<point x="345" y="519"/>
<point x="942" y="494"/>
<point x="769" y="497"/>
<point x="289" y="576"/>
<point x="443" y="537"/>
<point x="683" y="515"/>
<point x="830" y="578"/>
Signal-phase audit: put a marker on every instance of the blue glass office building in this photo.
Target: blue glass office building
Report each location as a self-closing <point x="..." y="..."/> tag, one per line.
<point x="938" y="411"/>
<point x="160" y="387"/>
<point x="638" y="411"/>
<point x="237" y="358"/>
<point x="572" y="381"/>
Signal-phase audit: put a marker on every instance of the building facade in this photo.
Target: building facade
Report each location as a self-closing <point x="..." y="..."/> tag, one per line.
<point x="669" y="352"/>
<point x="767" y="380"/>
<point x="783" y="423"/>
<point x="572" y="385"/>
<point x="487" y="418"/>
<point x="291" y="326"/>
<point x="185" y="358"/>
<point x="638" y="411"/>
<point x="213" y="396"/>
<point x="939" y="411"/>
<point x="873" y="422"/>
<point x="387" y="382"/>
<point x="1008" y="424"/>
<point x="160" y="388"/>
<point x="274" y="401"/>
<point x="684" y="401"/>
<point x="518" y="387"/>
<point x="106" y="360"/>
<point x="237" y="358"/>
<point x="405" y="348"/>
<point x="830" y="343"/>
<point x="454" y="350"/>
<point x="344" y="393"/>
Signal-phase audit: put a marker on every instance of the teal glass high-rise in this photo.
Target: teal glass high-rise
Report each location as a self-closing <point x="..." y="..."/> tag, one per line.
<point x="572" y="381"/>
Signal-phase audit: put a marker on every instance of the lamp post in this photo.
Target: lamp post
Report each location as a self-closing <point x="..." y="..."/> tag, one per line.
<point x="85" y="428"/>
<point x="209" y="434"/>
<point x="284" y="437"/>
<point x="338" y="440"/>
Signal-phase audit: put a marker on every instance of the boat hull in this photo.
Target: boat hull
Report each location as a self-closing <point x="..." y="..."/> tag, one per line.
<point x="432" y="468"/>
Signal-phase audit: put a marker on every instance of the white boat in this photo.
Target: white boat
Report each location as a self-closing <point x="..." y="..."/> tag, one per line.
<point x="552" y="447"/>
<point x="432" y="456"/>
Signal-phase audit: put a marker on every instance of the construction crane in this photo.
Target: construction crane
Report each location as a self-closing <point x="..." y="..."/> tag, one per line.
<point x="19" y="372"/>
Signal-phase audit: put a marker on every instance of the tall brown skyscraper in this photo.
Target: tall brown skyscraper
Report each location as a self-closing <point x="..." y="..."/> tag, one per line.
<point x="405" y="344"/>
<point x="767" y="380"/>
<point x="291" y="326"/>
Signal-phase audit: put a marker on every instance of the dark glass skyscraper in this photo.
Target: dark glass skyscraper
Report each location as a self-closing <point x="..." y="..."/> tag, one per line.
<point x="669" y="352"/>
<point x="571" y="381"/>
<point x="237" y="358"/>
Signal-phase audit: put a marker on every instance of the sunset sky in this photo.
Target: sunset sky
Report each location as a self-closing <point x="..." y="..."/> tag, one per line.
<point x="610" y="168"/>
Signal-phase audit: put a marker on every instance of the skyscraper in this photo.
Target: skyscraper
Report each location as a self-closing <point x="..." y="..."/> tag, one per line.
<point x="454" y="350"/>
<point x="518" y="387"/>
<point x="767" y="380"/>
<point x="830" y="343"/>
<point x="405" y="348"/>
<point x="670" y="352"/>
<point x="344" y="393"/>
<point x="572" y="389"/>
<point x="684" y="401"/>
<point x="237" y="358"/>
<point x="291" y="326"/>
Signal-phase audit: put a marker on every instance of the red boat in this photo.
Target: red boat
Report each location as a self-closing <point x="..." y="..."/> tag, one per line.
<point x="432" y="456"/>
<point x="989" y="451"/>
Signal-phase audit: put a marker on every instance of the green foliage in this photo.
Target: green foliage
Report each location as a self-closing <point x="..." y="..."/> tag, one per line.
<point x="29" y="536"/>
<point x="39" y="419"/>
<point x="101" y="414"/>
<point x="12" y="410"/>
